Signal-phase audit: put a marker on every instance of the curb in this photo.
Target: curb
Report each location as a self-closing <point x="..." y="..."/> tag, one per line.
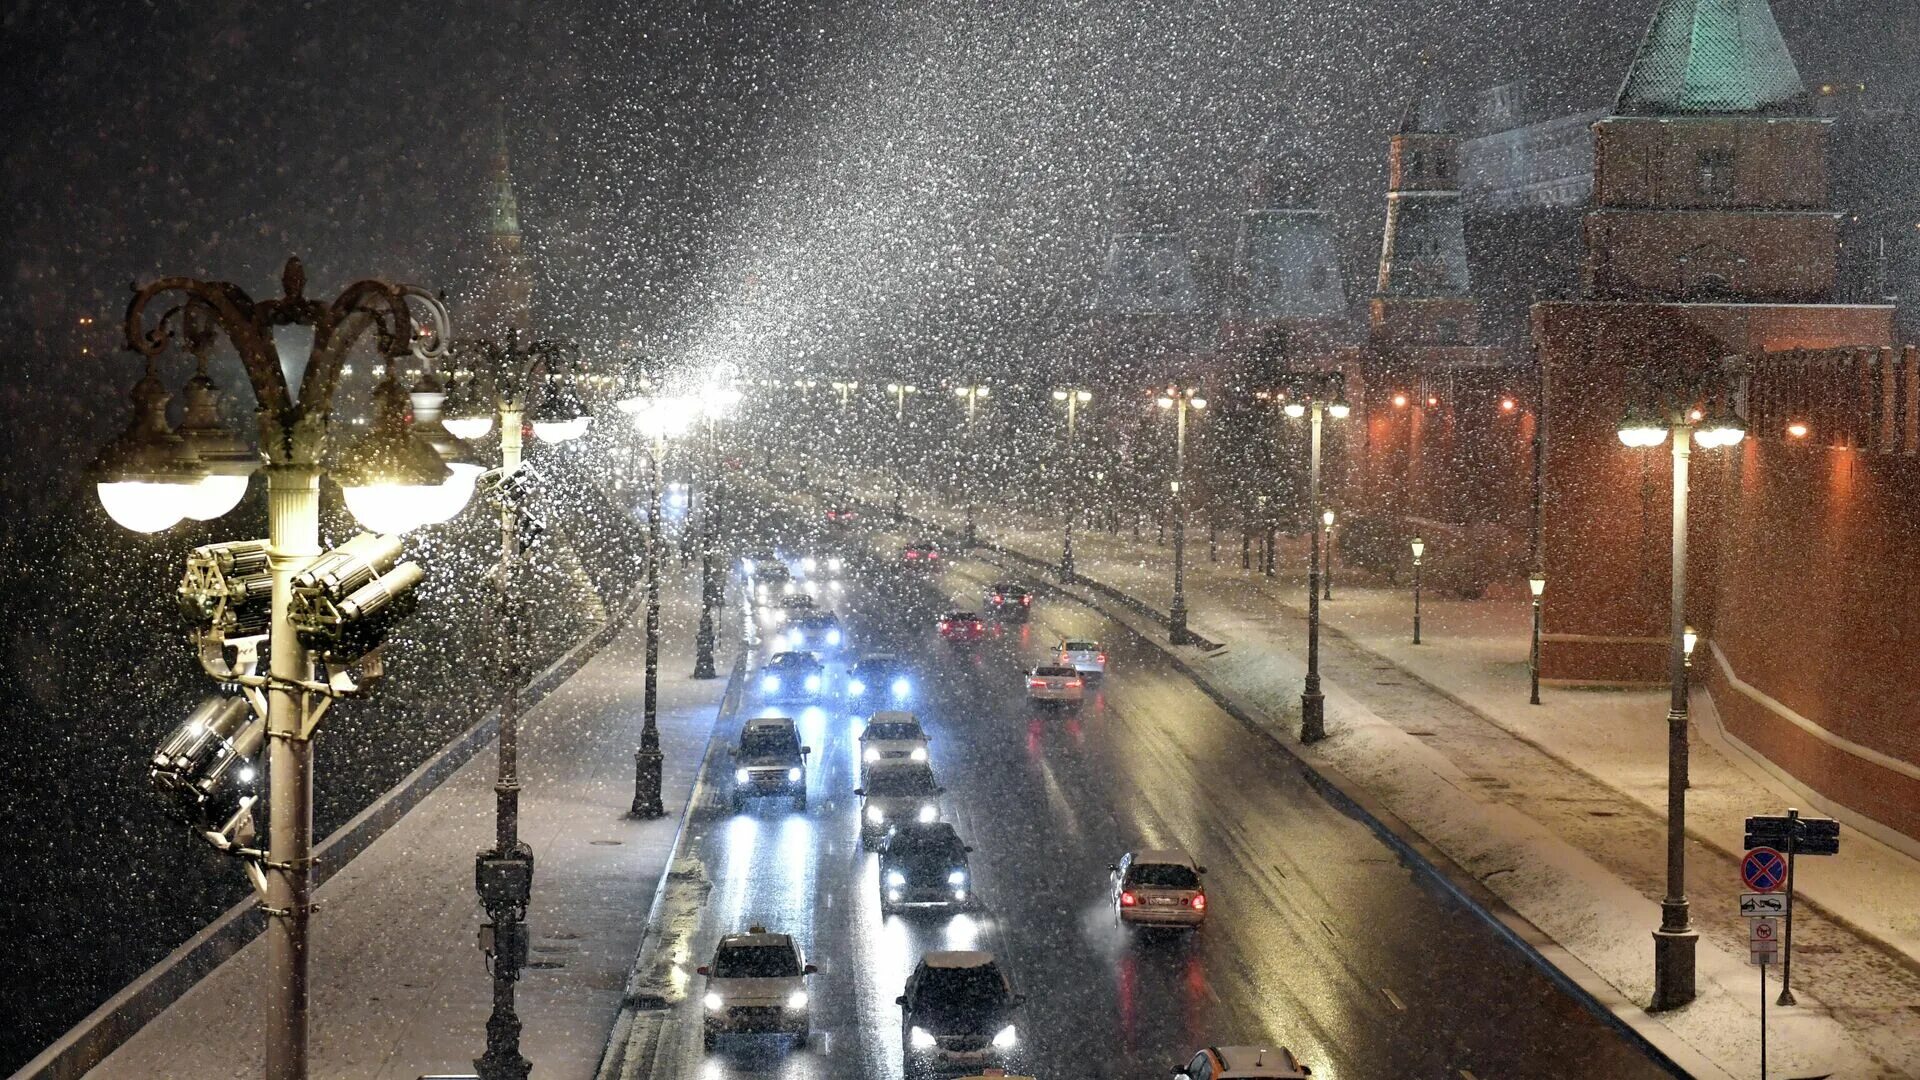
<point x="121" y="1016"/>
<point x="633" y="1003"/>
<point x="1564" y="969"/>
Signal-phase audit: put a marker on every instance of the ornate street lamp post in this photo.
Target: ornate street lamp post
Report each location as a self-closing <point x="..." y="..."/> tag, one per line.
<point x="1537" y="585"/>
<point x="504" y="381"/>
<point x="715" y="403"/>
<point x="656" y="419"/>
<point x="972" y="395"/>
<point x="1073" y="398"/>
<point x="1179" y="400"/>
<point x="1326" y="523"/>
<point x="1419" y="548"/>
<point x="293" y="348"/>
<point x="900" y="392"/>
<point x="1313" y="708"/>
<point x="1674" y="942"/>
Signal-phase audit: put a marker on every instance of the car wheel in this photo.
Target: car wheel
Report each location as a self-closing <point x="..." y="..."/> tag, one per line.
<point x="739" y="803"/>
<point x="706" y="1041"/>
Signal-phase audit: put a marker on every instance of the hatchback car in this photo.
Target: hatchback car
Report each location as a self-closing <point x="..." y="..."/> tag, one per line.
<point x="924" y="866"/>
<point x="1051" y="684"/>
<point x="1008" y="600"/>
<point x="756" y="985"/>
<point x="921" y="554"/>
<point x="892" y="737"/>
<point x="1244" y="1063"/>
<point x="770" y="761"/>
<point x="893" y="795"/>
<point x="1089" y="658"/>
<point x="962" y="627"/>
<point x="793" y="675"/>
<point x="1158" y="888"/>
<point x="959" y="1010"/>
<point x="878" y="677"/>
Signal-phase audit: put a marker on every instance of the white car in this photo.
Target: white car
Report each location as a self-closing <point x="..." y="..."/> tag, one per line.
<point x="1244" y="1063"/>
<point x="892" y="738"/>
<point x="756" y="985"/>
<point x="895" y="794"/>
<point x="1053" y="684"/>
<point x="1085" y="657"/>
<point x="1158" y="888"/>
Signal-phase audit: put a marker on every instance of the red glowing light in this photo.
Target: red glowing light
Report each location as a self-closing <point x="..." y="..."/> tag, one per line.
<point x="1127" y="899"/>
<point x="1507" y="404"/>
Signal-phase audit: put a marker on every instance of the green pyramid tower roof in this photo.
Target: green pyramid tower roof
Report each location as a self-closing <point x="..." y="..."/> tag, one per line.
<point x="1710" y="56"/>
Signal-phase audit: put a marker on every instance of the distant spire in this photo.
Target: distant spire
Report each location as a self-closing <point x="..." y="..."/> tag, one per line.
<point x="500" y="297"/>
<point x="1710" y="56"/>
<point x="506" y="209"/>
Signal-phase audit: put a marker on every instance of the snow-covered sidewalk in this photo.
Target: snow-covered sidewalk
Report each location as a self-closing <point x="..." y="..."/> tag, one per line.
<point x="1558" y="809"/>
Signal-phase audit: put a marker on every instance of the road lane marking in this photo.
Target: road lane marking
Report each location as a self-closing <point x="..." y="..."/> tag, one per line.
<point x="1465" y="1075"/>
<point x="1394" y="998"/>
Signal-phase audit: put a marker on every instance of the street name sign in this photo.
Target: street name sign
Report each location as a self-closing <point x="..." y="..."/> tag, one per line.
<point x="1791" y="832"/>
<point x="1759" y="905"/>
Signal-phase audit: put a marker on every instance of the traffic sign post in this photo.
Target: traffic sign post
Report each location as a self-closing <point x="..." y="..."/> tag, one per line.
<point x="1762" y="870"/>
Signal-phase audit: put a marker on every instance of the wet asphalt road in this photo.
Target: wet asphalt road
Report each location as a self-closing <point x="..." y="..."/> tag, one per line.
<point x="1318" y="937"/>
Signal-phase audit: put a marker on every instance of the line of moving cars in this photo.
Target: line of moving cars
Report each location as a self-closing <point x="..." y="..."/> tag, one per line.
<point x="959" y="1010"/>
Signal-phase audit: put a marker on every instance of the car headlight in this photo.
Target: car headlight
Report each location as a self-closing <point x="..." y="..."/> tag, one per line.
<point x="856" y="687"/>
<point x="896" y="879"/>
<point x="901" y="688"/>
<point x="928" y="812"/>
<point x="836" y="564"/>
<point x="808" y="564"/>
<point x="876" y="815"/>
<point x="918" y="753"/>
<point x="833" y="637"/>
<point x="793" y="775"/>
<point x="713" y="1001"/>
<point x="871" y="754"/>
<point x="1006" y="1037"/>
<point x="813" y="682"/>
<point x="921" y="1039"/>
<point x="957" y="878"/>
<point x="747" y="565"/>
<point x="796" y="635"/>
<point x="769" y="684"/>
<point x="741" y="776"/>
<point x="797" y="999"/>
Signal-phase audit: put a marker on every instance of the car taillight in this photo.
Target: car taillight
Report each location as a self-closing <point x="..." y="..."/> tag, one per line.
<point x="912" y="555"/>
<point x="1038" y="684"/>
<point x="1199" y="902"/>
<point x="1026" y="600"/>
<point x="933" y="554"/>
<point x="1127" y="899"/>
<point x="944" y="626"/>
<point x="1073" y="684"/>
<point x="998" y="599"/>
<point x="1103" y="658"/>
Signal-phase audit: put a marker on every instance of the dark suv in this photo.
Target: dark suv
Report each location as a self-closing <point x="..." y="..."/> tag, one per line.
<point x="924" y="865"/>
<point x="770" y="761"/>
<point x="1008" y="600"/>
<point x="958" y="1011"/>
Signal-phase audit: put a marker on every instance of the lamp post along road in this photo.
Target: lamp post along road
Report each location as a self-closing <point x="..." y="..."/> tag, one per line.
<point x="972" y="395"/>
<point x="1326" y="521"/>
<point x="1537" y="585"/>
<point x="1419" y="548"/>
<point x="656" y="419"/>
<point x="900" y="392"/>
<point x="1074" y="398"/>
<point x="1179" y="400"/>
<point x="1674" y="943"/>
<point x="1313" y="714"/>
<point x="392" y="482"/>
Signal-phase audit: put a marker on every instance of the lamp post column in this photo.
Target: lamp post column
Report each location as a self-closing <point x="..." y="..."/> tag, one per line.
<point x="1177" y="611"/>
<point x="648" y="761"/>
<point x="1313" y="716"/>
<point x="1416" y="591"/>
<point x="293" y="539"/>
<point x="1674" y="942"/>
<point x="502" y="1059"/>
<point x="1073" y="489"/>
<point x="709" y="582"/>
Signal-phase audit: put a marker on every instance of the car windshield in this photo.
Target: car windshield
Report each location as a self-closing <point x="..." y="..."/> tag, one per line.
<point x="893" y="730"/>
<point x="1054" y="671"/>
<point x="769" y="744"/>
<point x="942" y="851"/>
<point x="960" y="616"/>
<point x="1081" y="646"/>
<point x="755" y="962"/>
<point x="896" y="781"/>
<point x="874" y="669"/>
<point x="793" y="660"/>
<point x="1162" y="876"/>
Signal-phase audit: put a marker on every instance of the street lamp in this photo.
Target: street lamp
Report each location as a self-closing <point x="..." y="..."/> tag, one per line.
<point x="1313" y="708"/>
<point x="1537" y="585"/>
<point x="1179" y="400"/>
<point x="1072" y="398"/>
<point x="1674" y="942"/>
<point x="657" y="419"/>
<point x="716" y="402"/>
<point x="493" y="382"/>
<point x="1419" y="549"/>
<point x="973" y="396"/>
<point x="1326" y="523"/>
<point x="900" y="392"/>
<point x="282" y="340"/>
